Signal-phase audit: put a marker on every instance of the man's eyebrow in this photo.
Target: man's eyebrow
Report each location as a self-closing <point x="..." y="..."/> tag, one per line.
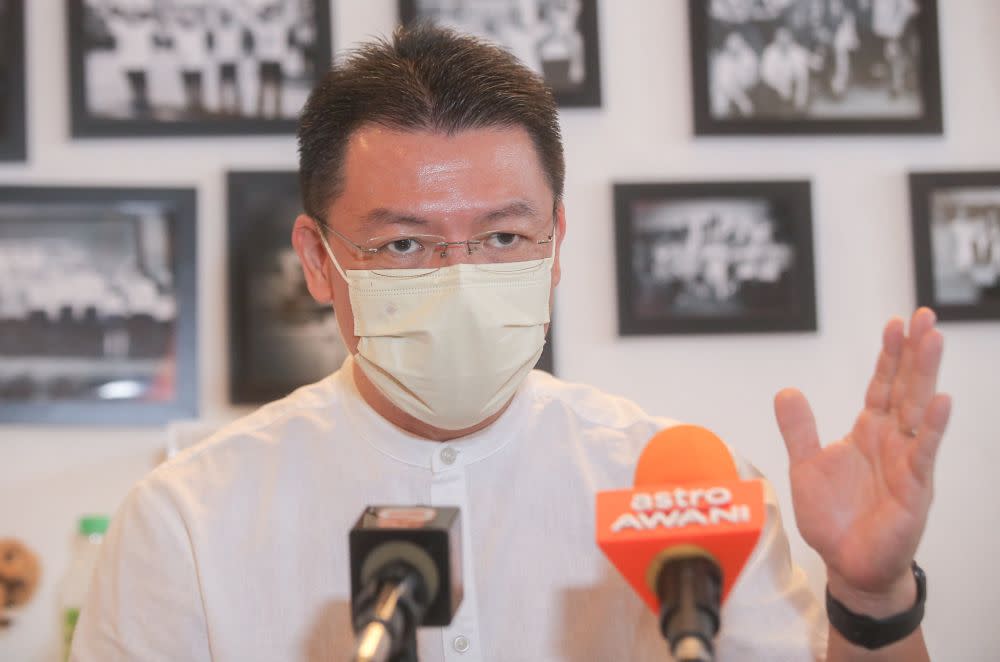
<point x="516" y="209"/>
<point x="383" y="216"/>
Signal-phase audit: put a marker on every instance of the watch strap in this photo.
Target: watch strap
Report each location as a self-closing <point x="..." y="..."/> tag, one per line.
<point x="872" y="633"/>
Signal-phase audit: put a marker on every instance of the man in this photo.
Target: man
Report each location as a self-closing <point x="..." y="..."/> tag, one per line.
<point x="133" y="24"/>
<point x="785" y="67"/>
<point x="890" y="19"/>
<point x="227" y="47"/>
<point x="270" y="29"/>
<point x="187" y="29"/>
<point x="432" y="178"/>
<point x="734" y="76"/>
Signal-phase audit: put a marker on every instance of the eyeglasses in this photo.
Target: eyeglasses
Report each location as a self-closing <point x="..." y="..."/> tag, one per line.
<point x="489" y="250"/>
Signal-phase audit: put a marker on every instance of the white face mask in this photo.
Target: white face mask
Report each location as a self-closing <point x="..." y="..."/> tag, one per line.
<point x="451" y="347"/>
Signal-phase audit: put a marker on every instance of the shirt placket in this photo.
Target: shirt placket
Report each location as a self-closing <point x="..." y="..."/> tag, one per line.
<point x="460" y="640"/>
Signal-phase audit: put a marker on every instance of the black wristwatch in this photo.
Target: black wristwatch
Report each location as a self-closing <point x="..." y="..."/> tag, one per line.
<point x="873" y="633"/>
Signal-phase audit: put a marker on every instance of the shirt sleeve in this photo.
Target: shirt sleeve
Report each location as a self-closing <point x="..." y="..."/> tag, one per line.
<point x="772" y="614"/>
<point x="144" y="601"/>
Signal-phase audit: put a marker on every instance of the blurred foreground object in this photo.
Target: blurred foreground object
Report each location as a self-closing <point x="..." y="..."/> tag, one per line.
<point x="20" y="571"/>
<point x="87" y="547"/>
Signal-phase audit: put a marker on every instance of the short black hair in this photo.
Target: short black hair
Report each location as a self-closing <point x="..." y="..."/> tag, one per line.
<point x="424" y="78"/>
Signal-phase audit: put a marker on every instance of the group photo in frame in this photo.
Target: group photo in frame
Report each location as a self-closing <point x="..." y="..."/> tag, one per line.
<point x="13" y="132"/>
<point x="98" y="305"/>
<point x="280" y="338"/>
<point x="815" y="67"/>
<point x="714" y="257"/>
<point x="212" y="67"/>
<point x="555" y="38"/>
<point x="956" y="243"/>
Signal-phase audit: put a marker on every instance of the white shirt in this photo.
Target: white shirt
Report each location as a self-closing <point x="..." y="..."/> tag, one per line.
<point x="889" y="17"/>
<point x="733" y="75"/>
<point x="236" y="549"/>
<point x="783" y="70"/>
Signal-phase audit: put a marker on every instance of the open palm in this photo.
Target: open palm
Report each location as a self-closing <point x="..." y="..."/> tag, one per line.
<point x="862" y="502"/>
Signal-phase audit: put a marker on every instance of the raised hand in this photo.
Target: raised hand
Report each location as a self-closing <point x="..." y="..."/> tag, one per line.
<point x="862" y="502"/>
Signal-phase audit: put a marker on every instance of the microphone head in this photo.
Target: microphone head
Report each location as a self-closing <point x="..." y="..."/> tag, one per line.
<point x="684" y="454"/>
<point x="428" y="539"/>
<point x="688" y="499"/>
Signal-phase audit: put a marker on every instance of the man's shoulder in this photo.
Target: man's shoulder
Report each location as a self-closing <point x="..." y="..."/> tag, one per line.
<point x="283" y="427"/>
<point x="591" y="406"/>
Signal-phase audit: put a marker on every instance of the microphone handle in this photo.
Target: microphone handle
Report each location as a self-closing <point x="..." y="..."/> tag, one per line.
<point x="388" y="628"/>
<point x="690" y="592"/>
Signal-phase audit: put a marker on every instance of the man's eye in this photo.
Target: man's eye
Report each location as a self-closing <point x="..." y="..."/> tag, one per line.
<point x="404" y="246"/>
<point x="503" y="239"/>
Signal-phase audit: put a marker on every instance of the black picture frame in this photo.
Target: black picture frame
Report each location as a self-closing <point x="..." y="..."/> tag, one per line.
<point x="13" y="129"/>
<point x="279" y="337"/>
<point x="956" y="243"/>
<point x="88" y="33"/>
<point x="547" y="361"/>
<point x="107" y="334"/>
<point x="918" y="64"/>
<point x="714" y="257"/>
<point x="583" y="94"/>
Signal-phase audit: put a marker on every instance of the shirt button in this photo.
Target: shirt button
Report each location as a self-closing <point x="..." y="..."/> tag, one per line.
<point x="461" y="643"/>
<point x="448" y="455"/>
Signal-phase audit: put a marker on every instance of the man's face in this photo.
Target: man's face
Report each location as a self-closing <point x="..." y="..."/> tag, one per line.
<point x="400" y="182"/>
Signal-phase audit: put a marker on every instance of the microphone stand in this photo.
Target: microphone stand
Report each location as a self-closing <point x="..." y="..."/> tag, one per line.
<point x="689" y="589"/>
<point x="387" y="620"/>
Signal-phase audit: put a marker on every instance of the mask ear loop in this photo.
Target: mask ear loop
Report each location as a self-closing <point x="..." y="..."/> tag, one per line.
<point x="329" y="252"/>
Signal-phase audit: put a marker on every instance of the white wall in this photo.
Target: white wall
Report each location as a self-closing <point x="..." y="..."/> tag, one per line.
<point x="643" y="132"/>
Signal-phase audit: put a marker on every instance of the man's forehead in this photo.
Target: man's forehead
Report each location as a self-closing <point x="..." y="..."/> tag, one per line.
<point x="467" y="167"/>
<point x="373" y="140"/>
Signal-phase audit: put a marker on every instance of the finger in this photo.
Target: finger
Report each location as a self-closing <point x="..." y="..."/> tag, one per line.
<point x="797" y="425"/>
<point x="880" y="386"/>
<point x="921" y="322"/>
<point x="922" y="384"/>
<point x="928" y="440"/>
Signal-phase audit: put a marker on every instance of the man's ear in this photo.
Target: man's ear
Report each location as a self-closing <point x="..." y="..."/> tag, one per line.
<point x="313" y="257"/>
<point x="560" y="235"/>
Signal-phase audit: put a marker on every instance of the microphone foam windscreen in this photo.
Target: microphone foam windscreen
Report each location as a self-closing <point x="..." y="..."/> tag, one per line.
<point x="684" y="454"/>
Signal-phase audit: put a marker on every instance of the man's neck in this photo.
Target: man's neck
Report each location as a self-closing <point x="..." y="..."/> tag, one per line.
<point x="390" y="412"/>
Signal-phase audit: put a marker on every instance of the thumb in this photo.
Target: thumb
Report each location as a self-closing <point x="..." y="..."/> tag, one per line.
<point x="797" y="425"/>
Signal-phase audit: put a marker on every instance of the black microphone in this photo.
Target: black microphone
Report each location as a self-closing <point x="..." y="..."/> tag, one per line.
<point x="406" y="572"/>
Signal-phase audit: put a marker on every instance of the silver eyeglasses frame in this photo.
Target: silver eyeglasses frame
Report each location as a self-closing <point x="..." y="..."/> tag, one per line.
<point x="470" y="244"/>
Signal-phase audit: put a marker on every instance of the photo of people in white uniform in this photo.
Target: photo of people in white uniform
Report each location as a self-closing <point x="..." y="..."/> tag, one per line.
<point x="191" y="60"/>
<point x="546" y="35"/>
<point x="709" y="257"/>
<point x="828" y="59"/>
<point x="965" y="242"/>
<point x="88" y="302"/>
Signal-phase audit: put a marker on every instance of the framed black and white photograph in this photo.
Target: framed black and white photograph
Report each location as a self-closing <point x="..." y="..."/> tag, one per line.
<point x="13" y="132"/>
<point x="956" y="243"/>
<point x="815" y="66"/>
<point x="714" y="257"/>
<point x="97" y="305"/>
<point x="556" y="38"/>
<point x="280" y="338"/>
<point x="188" y="67"/>
<point x="547" y="360"/>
